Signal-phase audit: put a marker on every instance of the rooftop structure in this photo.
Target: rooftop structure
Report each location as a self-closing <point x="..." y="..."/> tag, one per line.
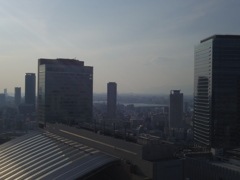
<point x="42" y="155"/>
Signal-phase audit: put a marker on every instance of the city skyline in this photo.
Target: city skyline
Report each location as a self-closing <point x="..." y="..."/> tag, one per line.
<point x="146" y="47"/>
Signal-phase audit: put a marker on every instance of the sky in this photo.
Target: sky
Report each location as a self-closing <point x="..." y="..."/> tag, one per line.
<point x="145" y="46"/>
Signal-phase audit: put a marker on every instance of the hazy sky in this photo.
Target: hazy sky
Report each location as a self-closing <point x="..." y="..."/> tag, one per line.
<point x="146" y="46"/>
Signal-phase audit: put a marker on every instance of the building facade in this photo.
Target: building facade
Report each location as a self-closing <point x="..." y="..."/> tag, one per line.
<point x="111" y="100"/>
<point x="17" y="96"/>
<point x="175" y="109"/>
<point x="30" y="88"/>
<point x="217" y="92"/>
<point x="65" y="91"/>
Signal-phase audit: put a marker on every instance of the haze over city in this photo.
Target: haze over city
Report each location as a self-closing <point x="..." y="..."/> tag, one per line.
<point x="144" y="46"/>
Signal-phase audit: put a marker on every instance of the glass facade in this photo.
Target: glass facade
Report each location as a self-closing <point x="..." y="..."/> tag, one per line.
<point x="65" y="89"/>
<point x="217" y="92"/>
<point x="202" y="92"/>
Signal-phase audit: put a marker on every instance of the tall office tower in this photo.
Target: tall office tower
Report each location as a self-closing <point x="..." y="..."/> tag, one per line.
<point x="217" y="92"/>
<point x="17" y="96"/>
<point x="65" y="91"/>
<point x="111" y="100"/>
<point x="175" y="109"/>
<point x="30" y="88"/>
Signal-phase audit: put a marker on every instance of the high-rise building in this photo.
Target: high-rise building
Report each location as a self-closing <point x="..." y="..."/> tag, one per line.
<point x="175" y="109"/>
<point x="111" y="100"/>
<point x="17" y="96"/>
<point x="65" y="91"/>
<point x="217" y="91"/>
<point x="30" y="88"/>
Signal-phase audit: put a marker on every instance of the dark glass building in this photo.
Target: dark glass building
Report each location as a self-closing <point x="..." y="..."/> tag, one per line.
<point x="111" y="100"/>
<point x="175" y="109"/>
<point x="217" y="92"/>
<point x="30" y="88"/>
<point x="65" y="91"/>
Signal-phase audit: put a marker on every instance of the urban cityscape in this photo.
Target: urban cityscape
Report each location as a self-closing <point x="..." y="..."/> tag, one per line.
<point x="56" y="125"/>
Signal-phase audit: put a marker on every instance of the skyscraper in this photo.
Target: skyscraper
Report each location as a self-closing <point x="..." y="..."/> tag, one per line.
<point x="175" y="109"/>
<point x="65" y="91"/>
<point x="17" y="97"/>
<point x="30" y="88"/>
<point x="217" y="92"/>
<point x="111" y="100"/>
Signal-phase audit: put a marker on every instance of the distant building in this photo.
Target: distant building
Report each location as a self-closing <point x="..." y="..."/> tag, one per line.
<point x="2" y="99"/>
<point x="130" y="107"/>
<point x="111" y="100"/>
<point x="5" y="92"/>
<point x="165" y="109"/>
<point x="17" y="96"/>
<point x="134" y="122"/>
<point x="26" y="109"/>
<point x="185" y="107"/>
<point x="175" y="109"/>
<point x="65" y="91"/>
<point x="158" y="121"/>
<point x="30" y="88"/>
<point x="217" y="92"/>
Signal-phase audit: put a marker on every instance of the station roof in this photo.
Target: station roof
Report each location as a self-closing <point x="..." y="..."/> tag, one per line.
<point x="42" y="155"/>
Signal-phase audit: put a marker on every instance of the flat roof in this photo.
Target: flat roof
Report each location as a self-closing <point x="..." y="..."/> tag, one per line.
<point x="64" y="61"/>
<point x="222" y="37"/>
